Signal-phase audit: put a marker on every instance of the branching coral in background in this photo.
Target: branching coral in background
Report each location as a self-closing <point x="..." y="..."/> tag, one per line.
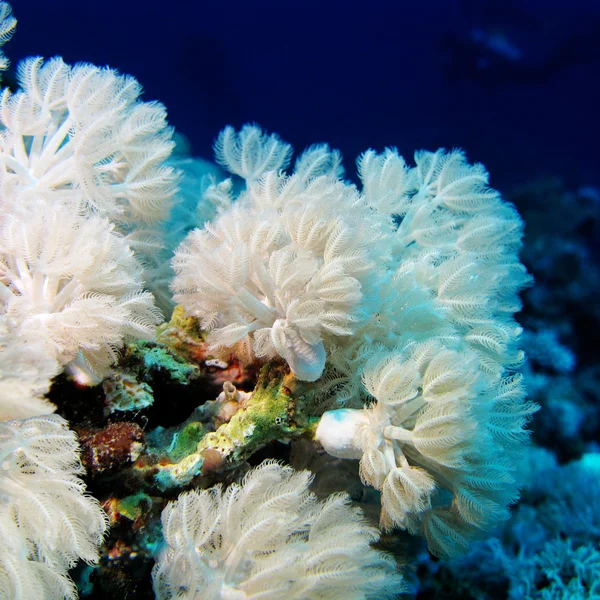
<point x="47" y="522"/>
<point x="562" y="312"/>
<point x="270" y="538"/>
<point x="547" y="551"/>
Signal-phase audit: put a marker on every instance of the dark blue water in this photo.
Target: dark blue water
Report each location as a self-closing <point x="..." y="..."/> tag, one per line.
<point x="364" y="75"/>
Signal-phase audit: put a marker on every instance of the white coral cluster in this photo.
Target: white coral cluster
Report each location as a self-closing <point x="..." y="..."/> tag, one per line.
<point x="81" y="163"/>
<point x="293" y="265"/>
<point x="270" y="538"/>
<point x="69" y="288"/>
<point x="397" y="299"/>
<point x="80" y="136"/>
<point x="450" y="413"/>
<point x="7" y="29"/>
<point x="47" y="522"/>
<point x="401" y="296"/>
<point x="81" y="166"/>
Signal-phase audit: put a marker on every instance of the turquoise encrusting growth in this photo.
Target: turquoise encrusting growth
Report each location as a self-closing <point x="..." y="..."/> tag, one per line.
<point x="152" y="357"/>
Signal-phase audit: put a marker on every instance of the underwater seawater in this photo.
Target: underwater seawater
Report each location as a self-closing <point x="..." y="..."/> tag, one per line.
<point x="269" y="328"/>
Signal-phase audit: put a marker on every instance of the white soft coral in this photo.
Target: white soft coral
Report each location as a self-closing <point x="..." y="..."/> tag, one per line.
<point x="81" y="133"/>
<point x="450" y="415"/>
<point x="292" y="267"/>
<point x="270" y="538"/>
<point x="82" y="160"/>
<point x="47" y="522"/>
<point x="7" y="28"/>
<point x="70" y="289"/>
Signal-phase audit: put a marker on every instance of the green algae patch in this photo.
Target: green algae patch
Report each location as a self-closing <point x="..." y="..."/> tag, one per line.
<point x="173" y="454"/>
<point x="186" y="441"/>
<point x="183" y="335"/>
<point x="187" y="325"/>
<point x="276" y="411"/>
<point x="133" y="507"/>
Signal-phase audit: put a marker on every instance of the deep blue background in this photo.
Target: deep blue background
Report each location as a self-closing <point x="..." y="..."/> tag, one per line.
<point x="364" y="75"/>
